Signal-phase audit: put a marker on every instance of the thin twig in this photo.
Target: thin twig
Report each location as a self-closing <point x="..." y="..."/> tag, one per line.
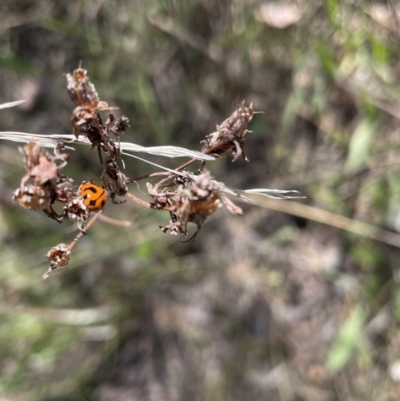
<point x="139" y="201"/>
<point x="109" y="220"/>
<point x="81" y="234"/>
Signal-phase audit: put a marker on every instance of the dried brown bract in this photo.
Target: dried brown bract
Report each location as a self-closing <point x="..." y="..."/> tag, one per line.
<point x="40" y="165"/>
<point x="111" y="131"/>
<point x="230" y="134"/>
<point x="116" y="126"/>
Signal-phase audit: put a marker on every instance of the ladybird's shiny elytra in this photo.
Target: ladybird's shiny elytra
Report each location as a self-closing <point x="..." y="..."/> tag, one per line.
<point x="94" y="196"/>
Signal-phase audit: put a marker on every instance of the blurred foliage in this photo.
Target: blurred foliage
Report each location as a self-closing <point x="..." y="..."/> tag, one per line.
<point x="349" y="337"/>
<point x="264" y="306"/>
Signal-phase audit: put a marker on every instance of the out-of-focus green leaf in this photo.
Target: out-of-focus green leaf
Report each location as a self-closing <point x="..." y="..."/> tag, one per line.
<point x="396" y="303"/>
<point x="393" y="180"/>
<point x="27" y="327"/>
<point x="346" y="341"/>
<point x="360" y="144"/>
<point x="144" y="250"/>
<point x="289" y="114"/>
<point x="331" y="8"/>
<point x="327" y="60"/>
<point x="380" y="52"/>
<point x="370" y="110"/>
<point x="377" y="192"/>
<point x="366" y="255"/>
<point x="14" y="63"/>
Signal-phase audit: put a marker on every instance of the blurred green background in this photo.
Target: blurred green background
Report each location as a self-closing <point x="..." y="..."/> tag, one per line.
<point x="267" y="306"/>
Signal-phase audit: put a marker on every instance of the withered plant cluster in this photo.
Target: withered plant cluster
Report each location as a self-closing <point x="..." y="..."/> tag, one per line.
<point x="188" y="197"/>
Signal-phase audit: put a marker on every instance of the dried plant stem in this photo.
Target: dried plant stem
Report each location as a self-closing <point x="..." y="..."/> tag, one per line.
<point x="181" y="167"/>
<point x="121" y="223"/>
<point x="151" y="175"/>
<point x="160" y="174"/>
<point x="81" y="234"/>
<point x="139" y="201"/>
<point x="331" y="219"/>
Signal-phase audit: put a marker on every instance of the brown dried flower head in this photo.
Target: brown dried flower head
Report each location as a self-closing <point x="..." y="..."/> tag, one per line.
<point x="86" y="119"/>
<point x="230" y="134"/>
<point x="84" y="95"/>
<point x="48" y="184"/>
<point x="58" y="258"/>
<point x="192" y="204"/>
<point x="34" y="197"/>
<point x="76" y="210"/>
<point x="80" y="90"/>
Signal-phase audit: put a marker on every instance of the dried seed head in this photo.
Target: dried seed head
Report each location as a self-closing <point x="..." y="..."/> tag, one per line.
<point x="86" y="117"/>
<point x="236" y="124"/>
<point x="76" y="210"/>
<point x="202" y="200"/>
<point x="230" y="134"/>
<point x="58" y="258"/>
<point x="49" y="185"/>
<point x="191" y="204"/>
<point x="33" y="197"/>
<point x="80" y="90"/>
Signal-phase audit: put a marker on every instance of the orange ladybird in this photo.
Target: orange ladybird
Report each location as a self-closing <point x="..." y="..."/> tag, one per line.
<point x="94" y="196"/>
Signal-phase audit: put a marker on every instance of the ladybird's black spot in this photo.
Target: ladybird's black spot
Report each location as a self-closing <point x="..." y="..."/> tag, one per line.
<point x="92" y="189"/>
<point x="92" y="203"/>
<point x="103" y="203"/>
